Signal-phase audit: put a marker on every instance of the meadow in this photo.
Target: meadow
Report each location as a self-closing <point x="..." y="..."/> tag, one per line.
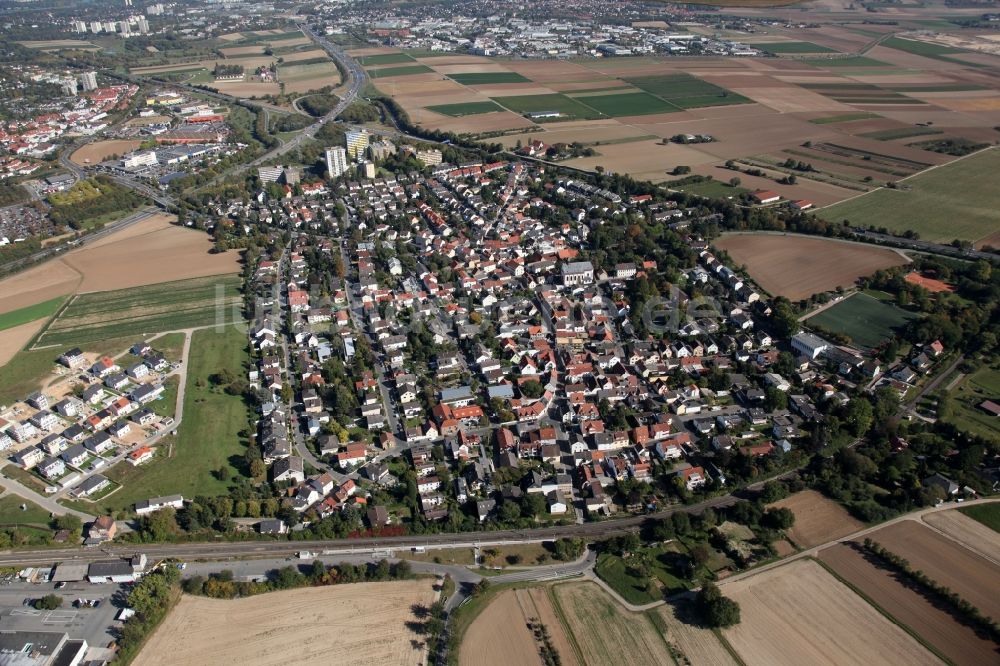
<point x="483" y="78"/>
<point x="465" y="108"/>
<point x="957" y="200"/>
<point x="568" y="107"/>
<point x="685" y="91"/>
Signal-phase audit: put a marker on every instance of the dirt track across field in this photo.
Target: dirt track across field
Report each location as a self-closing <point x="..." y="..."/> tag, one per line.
<point x="364" y="623"/>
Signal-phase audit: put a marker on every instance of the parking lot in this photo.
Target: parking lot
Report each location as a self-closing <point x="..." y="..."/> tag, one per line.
<point x="93" y="624"/>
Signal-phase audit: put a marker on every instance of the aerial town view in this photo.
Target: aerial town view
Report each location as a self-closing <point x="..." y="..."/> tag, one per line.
<point x="451" y="332"/>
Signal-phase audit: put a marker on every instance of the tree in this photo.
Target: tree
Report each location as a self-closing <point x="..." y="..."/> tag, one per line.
<point x="681" y="170"/>
<point x="532" y="389"/>
<point x="778" y="518"/>
<point x="68" y="522"/>
<point x="48" y="602"/>
<point x="716" y="610"/>
<point x="734" y="182"/>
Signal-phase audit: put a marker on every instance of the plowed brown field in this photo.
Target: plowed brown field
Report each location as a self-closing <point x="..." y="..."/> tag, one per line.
<point x="817" y="519"/>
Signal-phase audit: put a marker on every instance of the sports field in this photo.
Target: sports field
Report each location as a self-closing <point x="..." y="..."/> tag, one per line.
<point x="144" y="310"/>
<point x="958" y="200"/>
<point x="866" y="320"/>
<point x="465" y="108"/>
<point x="686" y="92"/>
<point x="483" y="78"/>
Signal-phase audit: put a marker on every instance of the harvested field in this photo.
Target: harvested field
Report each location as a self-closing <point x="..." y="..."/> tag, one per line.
<point x="969" y="575"/>
<point x="247" y="88"/>
<point x="99" y="151"/>
<point x="778" y="263"/>
<point x="699" y="645"/>
<point x="13" y="340"/>
<point x="955" y="640"/>
<point x="500" y="636"/>
<point x="148" y="252"/>
<point x="799" y="614"/>
<point x="606" y="632"/>
<point x="37" y="284"/>
<point x="818" y="519"/>
<point x="329" y="625"/>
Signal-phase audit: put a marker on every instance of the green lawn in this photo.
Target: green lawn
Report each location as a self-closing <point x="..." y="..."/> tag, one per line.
<point x="634" y="589"/>
<point x="208" y="437"/>
<point x="686" y="91"/>
<point x="465" y="108"/>
<point x="983" y="384"/>
<point x="170" y="345"/>
<point x="166" y="405"/>
<point x="30" y="313"/>
<point x="628" y="104"/>
<point x="794" y="47"/>
<point x="901" y="133"/>
<point x="144" y="310"/>
<point x="11" y="513"/>
<point x="855" y="61"/>
<point x="844" y="118"/>
<point x="959" y="200"/>
<point x="569" y="108"/>
<point x="483" y="78"/>
<point x="385" y="59"/>
<point x="866" y="320"/>
<point x="406" y="70"/>
<point x="987" y="514"/>
<point x="712" y="189"/>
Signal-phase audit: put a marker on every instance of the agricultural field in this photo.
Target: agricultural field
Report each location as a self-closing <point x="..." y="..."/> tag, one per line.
<point x="909" y="607"/>
<point x="484" y="78"/>
<point x="29" y="314"/>
<point x="797" y="267"/>
<point x="698" y="645"/>
<point x="959" y="525"/>
<point x="987" y="514"/>
<point x="957" y="200"/>
<point x="98" y="151"/>
<point x="208" y="437"/>
<point x="818" y="519"/>
<point x="969" y="575"/>
<point x="605" y="632"/>
<point x="686" y="92"/>
<point x="500" y="635"/>
<point x="793" y="47"/>
<point x="141" y="311"/>
<point x="384" y="59"/>
<point x="266" y="629"/>
<point x="465" y="108"/>
<point x="866" y="320"/>
<point x="627" y="104"/>
<point x="798" y="613"/>
<point x="403" y="70"/>
<point x="568" y="107"/>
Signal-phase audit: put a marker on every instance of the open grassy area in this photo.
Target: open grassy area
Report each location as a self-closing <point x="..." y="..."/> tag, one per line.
<point x="844" y="118"/>
<point x="686" y="91"/>
<point x="465" y="108"/>
<point x="958" y="200"/>
<point x="840" y="63"/>
<point x="170" y="345"/>
<point x="866" y="320"/>
<point x="987" y="514"/>
<point x="384" y="59"/>
<point x="794" y="47"/>
<point x="30" y="313"/>
<point x="569" y="108"/>
<point x="983" y="384"/>
<point x="405" y="70"/>
<point x="11" y="513"/>
<point x="712" y="189"/>
<point x="628" y="104"/>
<point x="208" y="438"/>
<point x="901" y="133"/>
<point x="919" y="48"/>
<point x="483" y="78"/>
<point x="144" y="310"/>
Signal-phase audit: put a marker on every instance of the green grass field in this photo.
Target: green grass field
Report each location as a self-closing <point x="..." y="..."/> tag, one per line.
<point x="712" y="189"/>
<point x="983" y="384"/>
<point x="866" y="320"/>
<point x="11" y="513"/>
<point x="987" y="514"/>
<point x="901" y="133"/>
<point x="30" y="313"/>
<point x="208" y="437"/>
<point x="170" y="345"/>
<point x="844" y="118"/>
<point x="794" y="47"/>
<point x="384" y="59"/>
<point x="686" y="91"/>
<point x="958" y="200"/>
<point x="634" y="589"/>
<point x="839" y="63"/>
<point x="570" y="108"/>
<point x="919" y="48"/>
<point x="144" y="310"/>
<point x="483" y="78"/>
<point x="628" y="104"/>
<point x="405" y="70"/>
<point x="465" y="108"/>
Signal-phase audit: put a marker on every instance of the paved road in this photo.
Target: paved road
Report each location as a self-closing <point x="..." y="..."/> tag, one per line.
<point x="14" y="487"/>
